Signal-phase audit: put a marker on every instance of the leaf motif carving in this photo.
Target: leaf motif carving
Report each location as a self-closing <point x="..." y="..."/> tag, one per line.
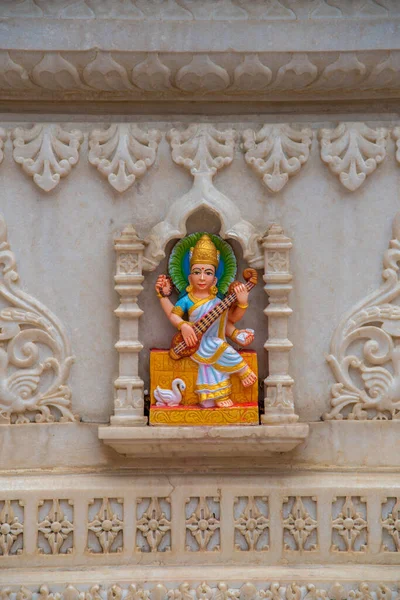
<point x="104" y="73"/>
<point x="277" y="152"/>
<point x="353" y="151"/>
<point x="202" y="75"/>
<point x="152" y="75"/>
<point x="123" y="152"/>
<point x="374" y="323"/>
<point x="26" y="327"/>
<point x="54" y="72"/>
<point x="12" y="75"/>
<point x="47" y="152"/>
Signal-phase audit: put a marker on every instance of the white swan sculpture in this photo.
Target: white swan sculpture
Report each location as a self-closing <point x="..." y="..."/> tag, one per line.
<point x="172" y="397"/>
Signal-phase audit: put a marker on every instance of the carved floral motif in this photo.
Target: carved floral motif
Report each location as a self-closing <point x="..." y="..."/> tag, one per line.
<point x="396" y="136"/>
<point x="106" y="525"/>
<point x="374" y="322"/>
<point x="277" y="152"/>
<point x="154" y="525"/>
<point x="46" y="152"/>
<point x="203" y="524"/>
<point x="10" y="529"/>
<point x="56" y="528"/>
<point x="29" y="383"/>
<point x="350" y="525"/>
<point x="353" y="151"/>
<point x="3" y="137"/>
<point x="391" y="524"/>
<point x="251" y="523"/>
<point x="299" y="523"/>
<point x="123" y="152"/>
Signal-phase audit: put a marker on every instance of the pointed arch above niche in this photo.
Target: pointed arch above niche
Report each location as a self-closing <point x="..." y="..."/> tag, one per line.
<point x="203" y="150"/>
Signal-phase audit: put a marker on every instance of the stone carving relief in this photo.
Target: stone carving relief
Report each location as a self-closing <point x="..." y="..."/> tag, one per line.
<point x="208" y="9"/>
<point x="153" y="525"/>
<point x="349" y="524"/>
<point x="46" y="152"/>
<point x="198" y="75"/>
<point x="352" y="151"/>
<point x="396" y="136"/>
<point x="251" y="523"/>
<point x="105" y="527"/>
<point x="11" y="527"/>
<point x="391" y="525"/>
<point x="123" y="152"/>
<point x="277" y="152"/>
<point x="203" y="151"/>
<point x="300" y="523"/>
<point x="212" y="590"/>
<point x="203" y="524"/>
<point x="55" y="528"/>
<point x="367" y="377"/>
<point x="32" y="383"/>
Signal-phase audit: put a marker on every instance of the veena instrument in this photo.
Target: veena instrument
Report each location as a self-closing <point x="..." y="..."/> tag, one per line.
<point x="179" y="349"/>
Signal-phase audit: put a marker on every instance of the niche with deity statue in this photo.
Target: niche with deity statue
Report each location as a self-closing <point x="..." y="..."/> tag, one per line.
<point x="204" y="379"/>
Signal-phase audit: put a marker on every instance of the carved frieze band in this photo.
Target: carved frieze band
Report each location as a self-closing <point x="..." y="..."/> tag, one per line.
<point x="208" y="590"/>
<point x="197" y="75"/>
<point x="35" y="353"/>
<point x="275" y="525"/>
<point x="123" y="152"/>
<point x="178" y="10"/>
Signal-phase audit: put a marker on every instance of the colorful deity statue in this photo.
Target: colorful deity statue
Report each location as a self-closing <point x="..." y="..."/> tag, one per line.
<point x="202" y="267"/>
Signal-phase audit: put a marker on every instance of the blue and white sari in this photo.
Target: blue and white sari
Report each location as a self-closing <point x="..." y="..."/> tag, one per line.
<point x="217" y="360"/>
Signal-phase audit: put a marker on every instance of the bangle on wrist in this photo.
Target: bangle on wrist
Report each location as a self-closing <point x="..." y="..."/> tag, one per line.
<point x="234" y="335"/>
<point x="243" y="306"/>
<point x="179" y="326"/>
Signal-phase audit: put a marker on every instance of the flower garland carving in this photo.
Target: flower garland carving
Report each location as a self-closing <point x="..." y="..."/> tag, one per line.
<point x="376" y="319"/>
<point x="26" y="327"/>
<point x="46" y="152"/>
<point x="277" y="152"/>
<point x="123" y="152"/>
<point x="353" y="151"/>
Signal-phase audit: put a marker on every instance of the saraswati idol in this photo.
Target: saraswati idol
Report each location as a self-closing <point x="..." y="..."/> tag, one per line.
<point x="202" y="379"/>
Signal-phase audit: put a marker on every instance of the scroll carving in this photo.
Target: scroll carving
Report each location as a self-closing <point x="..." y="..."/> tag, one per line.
<point x="203" y="150"/>
<point x="352" y="151"/>
<point x="367" y="376"/>
<point x="32" y="383"/>
<point x="46" y="152"/>
<point x="123" y="152"/>
<point x="277" y="152"/>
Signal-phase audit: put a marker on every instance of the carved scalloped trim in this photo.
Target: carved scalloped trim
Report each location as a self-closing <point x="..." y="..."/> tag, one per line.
<point x="277" y="152"/>
<point x="123" y="152"/>
<point x="353" y="151"/>
<point x="46" y="152"/>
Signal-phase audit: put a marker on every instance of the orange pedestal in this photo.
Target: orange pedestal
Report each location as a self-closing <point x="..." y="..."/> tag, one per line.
<point x="163" y="370"/>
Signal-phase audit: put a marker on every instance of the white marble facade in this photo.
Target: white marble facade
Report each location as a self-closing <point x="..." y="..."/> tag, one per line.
<point x="291" y="112"/>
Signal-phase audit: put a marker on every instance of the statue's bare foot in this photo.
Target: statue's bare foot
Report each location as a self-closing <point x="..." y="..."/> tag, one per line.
<point x="225" y="403"/>
<point x="249" y="380"/>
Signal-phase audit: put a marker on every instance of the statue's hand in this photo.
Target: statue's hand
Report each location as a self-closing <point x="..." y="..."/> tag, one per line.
<point x="242" y="293"/>
<point x="188" y="335"/>
<point x="244" y="337"/>
<point x="164" y="285"/>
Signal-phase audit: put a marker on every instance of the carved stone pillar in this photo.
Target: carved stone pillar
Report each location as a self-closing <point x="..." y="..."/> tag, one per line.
<point x="129" y="402"/>
<point x="278" y="403"/>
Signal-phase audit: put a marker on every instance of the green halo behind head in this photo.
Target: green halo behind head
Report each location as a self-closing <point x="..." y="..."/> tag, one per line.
<point x="179" y="262"/>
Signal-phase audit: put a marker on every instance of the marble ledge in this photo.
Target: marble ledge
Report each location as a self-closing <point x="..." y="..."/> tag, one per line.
<point x="203" y="442"/>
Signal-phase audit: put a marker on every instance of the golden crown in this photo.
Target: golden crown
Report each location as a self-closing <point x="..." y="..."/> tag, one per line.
<point x="204" y="253"/>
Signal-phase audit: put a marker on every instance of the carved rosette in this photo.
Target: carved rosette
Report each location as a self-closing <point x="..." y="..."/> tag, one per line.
<point x="129" y="401"/>
<point x="33" y="383"/>
<point x="365" y="350"/>
<point x="123" y="152"/>
<point x="277" y="152"/>
<point x="352" y="151"/>
<point x="278" y="403"/>
<point x="47" y="152"/>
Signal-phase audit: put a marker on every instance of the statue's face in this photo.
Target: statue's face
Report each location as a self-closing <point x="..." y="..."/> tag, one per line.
<point x="202" y="277"/>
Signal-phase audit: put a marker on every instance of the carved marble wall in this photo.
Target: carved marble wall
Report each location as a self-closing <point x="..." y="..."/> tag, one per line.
<point x="123" y="126"/>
